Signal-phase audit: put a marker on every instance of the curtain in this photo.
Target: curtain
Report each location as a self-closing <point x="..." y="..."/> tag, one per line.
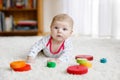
<point x="95" y="18"/>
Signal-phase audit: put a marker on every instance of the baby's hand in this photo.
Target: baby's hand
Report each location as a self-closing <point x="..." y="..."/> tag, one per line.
<point x="50" y="60"/>
<point x="54" y="60"/>
<point x="30" y="59"/>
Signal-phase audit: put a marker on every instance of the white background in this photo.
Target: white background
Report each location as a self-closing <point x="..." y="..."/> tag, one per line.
<point x="96" y="18"/>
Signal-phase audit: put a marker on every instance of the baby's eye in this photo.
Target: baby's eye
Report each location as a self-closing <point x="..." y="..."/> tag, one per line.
<point x="64" y="29"/>
<point x="56" y="27"/>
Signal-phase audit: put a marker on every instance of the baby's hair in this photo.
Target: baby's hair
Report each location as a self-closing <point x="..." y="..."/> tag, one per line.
<point x="62" y="18"/>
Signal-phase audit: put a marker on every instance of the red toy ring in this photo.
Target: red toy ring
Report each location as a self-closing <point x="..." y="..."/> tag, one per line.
<point x="77" y="69"/>
<point x="88" y="57"/>
<point x="27" y="67"/>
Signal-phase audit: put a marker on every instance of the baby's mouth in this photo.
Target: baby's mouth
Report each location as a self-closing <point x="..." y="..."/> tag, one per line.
<point x="58" y="35"/>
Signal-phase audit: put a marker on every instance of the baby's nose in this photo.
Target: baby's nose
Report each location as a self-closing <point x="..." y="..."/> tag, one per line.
<point x="59" y="30"/>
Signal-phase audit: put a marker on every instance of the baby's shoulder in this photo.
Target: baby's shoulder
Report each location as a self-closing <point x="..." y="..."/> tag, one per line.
<point x="45" y="38"/>
<point x="68" y="41"/>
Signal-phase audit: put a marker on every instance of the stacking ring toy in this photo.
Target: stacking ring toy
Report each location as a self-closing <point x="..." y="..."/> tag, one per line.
<point x="88" y="57"/>
<point x="20" y="66"/>
<point x="17" y="64"/>
<point x="27" y="67"/>
<point x="51" y="64"/>
<point x="81" y="61"/>
<point x="103" y="60"/>
<point x="87" y="64"/>
<point x="77" y="69"/>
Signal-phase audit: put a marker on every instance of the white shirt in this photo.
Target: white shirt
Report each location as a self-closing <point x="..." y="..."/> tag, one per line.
<point x="44" y="44"/>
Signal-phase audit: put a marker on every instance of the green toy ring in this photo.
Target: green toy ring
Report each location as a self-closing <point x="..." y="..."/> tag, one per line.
<point x="51" y="64"/>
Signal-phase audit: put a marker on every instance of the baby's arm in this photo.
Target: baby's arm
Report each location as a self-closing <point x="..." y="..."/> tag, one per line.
<point x="56" y="60"/>
<point x="30" y="59"/>
<point x="36" y="48"/>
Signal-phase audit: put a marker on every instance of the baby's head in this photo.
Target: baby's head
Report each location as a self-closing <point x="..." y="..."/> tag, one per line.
<point x="63" y="18"/>
<point x="61" y="26"/>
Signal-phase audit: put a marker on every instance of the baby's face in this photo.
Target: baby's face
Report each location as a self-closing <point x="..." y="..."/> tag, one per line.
<point x="60" y="30"/>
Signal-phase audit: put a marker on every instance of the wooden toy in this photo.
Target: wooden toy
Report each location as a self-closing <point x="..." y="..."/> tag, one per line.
<point x="77" y="69"/>
<point x="88" y="57"/>
<point x="27" y="67"/>
<point x="20" y="66"/>
<point x="51" y="64"/>
<point x="17" y="64"/>
<point x="103" y="60"/>
<point x="81" y="61"/>
<point x="88" y="64"/>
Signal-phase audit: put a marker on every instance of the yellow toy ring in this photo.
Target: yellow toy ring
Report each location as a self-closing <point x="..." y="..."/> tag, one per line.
<point x="88" y="64"/>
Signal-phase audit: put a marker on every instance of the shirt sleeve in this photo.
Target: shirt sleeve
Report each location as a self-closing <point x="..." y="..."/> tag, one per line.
<point x="37" y="47"/>
<point x="68" y="48"/>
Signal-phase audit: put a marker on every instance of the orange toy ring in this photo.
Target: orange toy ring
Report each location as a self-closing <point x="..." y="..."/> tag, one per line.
<point x="17" y="64"/>
<point x="27" y="67"/>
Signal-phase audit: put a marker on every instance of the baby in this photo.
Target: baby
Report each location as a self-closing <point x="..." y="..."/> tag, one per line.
<point x="57" y="45"/>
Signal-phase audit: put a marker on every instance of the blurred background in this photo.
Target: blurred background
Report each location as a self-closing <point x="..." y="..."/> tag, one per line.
<point x="95" y="18"/>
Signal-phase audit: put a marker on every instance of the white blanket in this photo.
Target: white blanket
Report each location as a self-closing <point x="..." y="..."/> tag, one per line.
<point x="16" y="48"/>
